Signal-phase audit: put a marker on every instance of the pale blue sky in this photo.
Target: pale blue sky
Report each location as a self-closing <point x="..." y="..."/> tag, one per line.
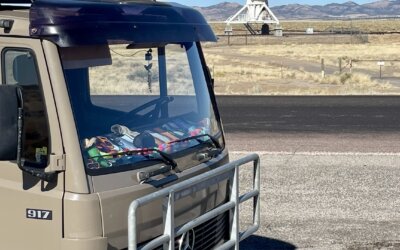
<point x="271" y="2"/>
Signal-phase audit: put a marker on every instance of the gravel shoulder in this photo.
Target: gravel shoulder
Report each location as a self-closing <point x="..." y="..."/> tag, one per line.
<point x="328" y="202"/>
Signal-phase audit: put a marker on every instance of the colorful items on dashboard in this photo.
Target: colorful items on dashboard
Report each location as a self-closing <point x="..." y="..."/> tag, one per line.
<point x="122" y="139"/>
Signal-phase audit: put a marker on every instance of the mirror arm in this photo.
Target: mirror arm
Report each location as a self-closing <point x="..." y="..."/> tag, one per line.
<point x="45" y="176"/>
<point x="19" y="127"/>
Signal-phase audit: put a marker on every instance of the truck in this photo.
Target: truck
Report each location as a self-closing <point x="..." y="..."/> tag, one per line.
<point x="111" y="134"/>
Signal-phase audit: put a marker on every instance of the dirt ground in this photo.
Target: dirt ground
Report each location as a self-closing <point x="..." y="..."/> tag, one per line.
<point x="307" y="68"/>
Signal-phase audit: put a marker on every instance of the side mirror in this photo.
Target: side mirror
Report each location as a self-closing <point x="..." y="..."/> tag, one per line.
<point x="9" y="105"/>
<point x="209" y="75"/>
<point x="11" y="126"/>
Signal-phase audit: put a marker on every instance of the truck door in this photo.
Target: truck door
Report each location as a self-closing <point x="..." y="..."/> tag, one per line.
<point x="31" y="209"/>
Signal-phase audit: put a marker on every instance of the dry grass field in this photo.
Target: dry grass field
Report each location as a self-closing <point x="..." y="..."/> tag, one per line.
<point x="295" y="69"/>
<point x="366" y="26"/>
<point x="128" y="74"/>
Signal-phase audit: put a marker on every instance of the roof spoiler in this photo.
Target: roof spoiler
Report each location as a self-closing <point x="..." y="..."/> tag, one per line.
<point x="70" y="23"/>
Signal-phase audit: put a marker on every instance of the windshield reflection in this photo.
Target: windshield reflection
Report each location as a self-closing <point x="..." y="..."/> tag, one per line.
<point x="132" y="99"/>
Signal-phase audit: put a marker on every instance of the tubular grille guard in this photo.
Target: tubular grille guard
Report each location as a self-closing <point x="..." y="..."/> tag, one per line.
<point x="195" y="184"/>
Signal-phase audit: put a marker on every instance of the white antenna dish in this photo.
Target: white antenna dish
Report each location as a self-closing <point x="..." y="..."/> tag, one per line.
<point x="254" y="12"/>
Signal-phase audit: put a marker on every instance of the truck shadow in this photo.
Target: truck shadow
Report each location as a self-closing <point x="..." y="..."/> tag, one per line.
<point x="259" y="242"/>
<point x="29" y="181"/>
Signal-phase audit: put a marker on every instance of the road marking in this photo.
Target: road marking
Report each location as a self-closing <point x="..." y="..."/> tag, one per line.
<point x="318" y="153"/>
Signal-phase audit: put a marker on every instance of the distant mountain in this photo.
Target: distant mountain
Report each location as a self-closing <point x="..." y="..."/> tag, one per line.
<point x="347" y="9"/>
<point x="219" y="12"/>
<point x="223" y="11"/>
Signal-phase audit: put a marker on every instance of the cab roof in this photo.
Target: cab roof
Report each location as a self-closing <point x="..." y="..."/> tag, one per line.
<point x="71" y="23"/>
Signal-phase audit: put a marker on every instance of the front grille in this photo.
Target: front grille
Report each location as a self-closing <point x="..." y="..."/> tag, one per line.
<point x="209" y="234"/>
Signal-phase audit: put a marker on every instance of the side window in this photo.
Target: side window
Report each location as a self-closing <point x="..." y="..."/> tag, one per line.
<point x="20" y="68"/>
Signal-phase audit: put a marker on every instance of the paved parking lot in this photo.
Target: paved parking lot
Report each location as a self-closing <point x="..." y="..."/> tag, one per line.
<point x="324" y="201"/>
<point x="330" y="169"/>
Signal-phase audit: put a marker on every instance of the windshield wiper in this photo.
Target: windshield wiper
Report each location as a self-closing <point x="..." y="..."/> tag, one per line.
<point x="166" y="158"/>
<point x="210" y="153"/>
<point x="197" y="137"/>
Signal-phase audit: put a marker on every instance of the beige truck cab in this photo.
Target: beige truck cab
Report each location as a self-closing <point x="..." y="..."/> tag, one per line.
<point x="111" y="135"/>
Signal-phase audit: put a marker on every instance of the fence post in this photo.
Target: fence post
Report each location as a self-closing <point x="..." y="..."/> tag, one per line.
<point x="213" y="71"/>
<point x="381" y="64"/>
<point x="340" y="65"/>
<point x="323" y="68"/>
<point x="351" y="66"/>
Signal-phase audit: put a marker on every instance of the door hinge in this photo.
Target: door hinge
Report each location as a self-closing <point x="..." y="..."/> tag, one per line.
<point x="57" y="163"/>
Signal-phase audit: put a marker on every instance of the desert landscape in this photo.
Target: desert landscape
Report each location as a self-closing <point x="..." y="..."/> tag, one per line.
<point x="353" y="50"/>
<point x="318" y="64"/>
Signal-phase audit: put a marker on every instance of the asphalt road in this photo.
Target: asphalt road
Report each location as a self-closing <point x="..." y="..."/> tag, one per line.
<point x="310" y="114"/>
<point x="330" y="169"/>
<point x="338" y="124"/>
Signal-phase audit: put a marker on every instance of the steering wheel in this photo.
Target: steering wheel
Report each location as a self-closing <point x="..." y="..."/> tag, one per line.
<point x="153" y="114"/>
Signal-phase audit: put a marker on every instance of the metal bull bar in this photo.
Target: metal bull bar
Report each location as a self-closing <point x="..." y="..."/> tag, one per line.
<point x="195" y="184"/>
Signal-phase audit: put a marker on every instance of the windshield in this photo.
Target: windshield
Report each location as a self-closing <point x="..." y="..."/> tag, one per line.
<point x="128" y="98"/>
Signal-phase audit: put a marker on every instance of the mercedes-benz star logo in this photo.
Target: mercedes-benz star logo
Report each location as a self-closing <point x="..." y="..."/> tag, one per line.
<point x="186" y="242"/>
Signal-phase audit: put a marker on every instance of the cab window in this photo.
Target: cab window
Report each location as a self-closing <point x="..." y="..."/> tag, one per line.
<point x="20" y="68"/>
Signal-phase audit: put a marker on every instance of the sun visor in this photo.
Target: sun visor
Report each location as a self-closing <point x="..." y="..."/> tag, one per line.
<point x="71" y="23"/>
<point x="88" y="56"/>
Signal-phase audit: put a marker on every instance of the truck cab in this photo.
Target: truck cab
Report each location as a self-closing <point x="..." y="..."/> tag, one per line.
<point x="103" y="103"/>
